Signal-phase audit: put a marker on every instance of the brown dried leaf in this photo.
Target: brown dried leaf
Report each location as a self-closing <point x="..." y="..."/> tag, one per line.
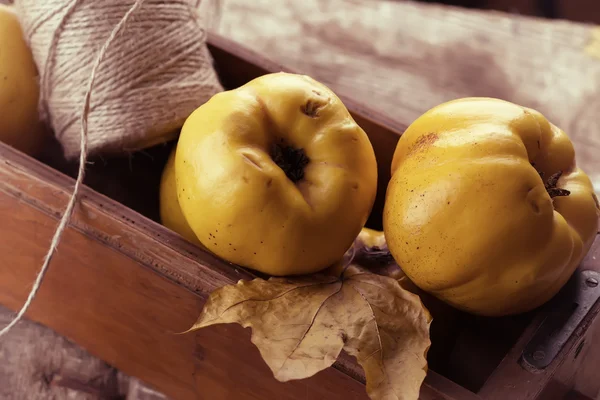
<point x="300" y="326"/>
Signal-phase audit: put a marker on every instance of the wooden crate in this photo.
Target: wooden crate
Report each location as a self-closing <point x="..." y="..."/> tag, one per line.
<point x="121" y="285"/>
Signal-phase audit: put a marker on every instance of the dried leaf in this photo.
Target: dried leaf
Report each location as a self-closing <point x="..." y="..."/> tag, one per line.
<point x="300" y="326"/>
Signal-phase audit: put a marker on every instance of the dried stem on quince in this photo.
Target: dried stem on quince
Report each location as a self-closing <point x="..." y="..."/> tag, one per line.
<point x="550" y="185"/>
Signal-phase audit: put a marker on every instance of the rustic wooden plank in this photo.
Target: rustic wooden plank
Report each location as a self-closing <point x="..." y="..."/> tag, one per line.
<point x="127" y="313"/>
<point x="403" y="58"/>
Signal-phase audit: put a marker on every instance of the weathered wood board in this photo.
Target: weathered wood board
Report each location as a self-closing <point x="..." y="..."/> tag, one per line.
<point x="404" y="57"/>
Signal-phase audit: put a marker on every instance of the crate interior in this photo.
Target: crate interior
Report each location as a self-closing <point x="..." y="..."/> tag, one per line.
<point x="465" y="348"/>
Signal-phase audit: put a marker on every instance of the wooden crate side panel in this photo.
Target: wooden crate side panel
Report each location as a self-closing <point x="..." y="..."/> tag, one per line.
<point x="128" y="315"/>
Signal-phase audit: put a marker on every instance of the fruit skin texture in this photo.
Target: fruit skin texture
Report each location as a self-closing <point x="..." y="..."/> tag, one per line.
<point x="170" y="211"/>
<point x="20" y="125"/>
<point x="241" y="204"/>
<point x="467" y="215"/>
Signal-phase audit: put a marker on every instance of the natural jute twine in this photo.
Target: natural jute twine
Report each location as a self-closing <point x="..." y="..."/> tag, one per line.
<point x="147" y="79"/>
<point x="156" y="73"/>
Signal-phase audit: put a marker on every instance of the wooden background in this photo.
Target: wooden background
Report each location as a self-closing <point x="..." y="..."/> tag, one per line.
<point x="401" y="58"/>
<point x="405" y="57"/>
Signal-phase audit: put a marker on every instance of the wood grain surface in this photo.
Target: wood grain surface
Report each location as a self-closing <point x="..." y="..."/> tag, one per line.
<point x="403" y="58"/>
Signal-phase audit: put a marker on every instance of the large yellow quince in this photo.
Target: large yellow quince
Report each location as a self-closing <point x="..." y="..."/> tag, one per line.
<point x="276" y="175"/>
<point x="486" y="208"/>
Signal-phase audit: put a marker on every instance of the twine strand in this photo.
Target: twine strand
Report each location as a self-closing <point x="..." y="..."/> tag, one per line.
<point x="81" y="170"/>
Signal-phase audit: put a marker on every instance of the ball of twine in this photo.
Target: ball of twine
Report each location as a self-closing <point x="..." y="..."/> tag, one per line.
<point x="152" y="77"/>
<point x="164" y="84"/>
